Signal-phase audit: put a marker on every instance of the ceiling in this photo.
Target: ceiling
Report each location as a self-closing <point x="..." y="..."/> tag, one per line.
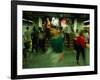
<point x="31" y="15"/>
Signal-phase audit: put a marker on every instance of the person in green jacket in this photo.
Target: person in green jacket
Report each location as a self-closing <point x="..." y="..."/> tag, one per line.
<point x="57" y="44"/>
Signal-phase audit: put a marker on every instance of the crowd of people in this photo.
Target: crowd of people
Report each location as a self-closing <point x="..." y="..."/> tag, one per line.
<point x="36" y="40"/>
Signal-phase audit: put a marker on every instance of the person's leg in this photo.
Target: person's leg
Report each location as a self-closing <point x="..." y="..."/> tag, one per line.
<point x="78" y="54"/>
<point x="26" y="49"/>
<point x="43" y="45"/>
<point x="61" y="56"/>
<point x="83" y="55"/>
<point x="54" y="58"/>
<point x="24" y="53"/>
<point x="36" y="46"/>
<point x="40" y="45"/>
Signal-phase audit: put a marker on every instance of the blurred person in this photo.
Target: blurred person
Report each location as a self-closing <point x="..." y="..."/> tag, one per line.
<point x="47" y="29"/>
<point x="80" y="47"/>
<point x="64" y="22"/>
<point x="76" y="34"/>
<point x="27" y="40"/>
<point x="34" y="38"/>
<point x="86" y="34"/>
<point x="67" y="32"/>
<point x="57" y="44"/>
<point x="41" y="40"/>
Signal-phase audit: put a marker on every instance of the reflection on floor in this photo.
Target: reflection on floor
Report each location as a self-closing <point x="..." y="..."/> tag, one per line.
<point x="43" y="60"/>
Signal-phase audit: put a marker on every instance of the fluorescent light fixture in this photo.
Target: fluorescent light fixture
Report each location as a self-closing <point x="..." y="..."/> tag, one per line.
<point x="86" y="21"/>
<point x="27" y="20"/>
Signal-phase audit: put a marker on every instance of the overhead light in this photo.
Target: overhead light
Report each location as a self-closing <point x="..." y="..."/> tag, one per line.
<point x="28" y="20"/>
<point x="86" y="21"/>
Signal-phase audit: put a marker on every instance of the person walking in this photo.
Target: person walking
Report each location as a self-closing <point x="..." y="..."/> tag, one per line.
<point x="34" y="38"/>
<point x="27" y="40"/>
<point x="57" y="45"/>
<point x="80" y="47"/>
<point x="41" y="40"/>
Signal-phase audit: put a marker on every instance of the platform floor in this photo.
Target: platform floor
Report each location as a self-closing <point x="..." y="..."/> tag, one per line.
<point x="44" y="60"/>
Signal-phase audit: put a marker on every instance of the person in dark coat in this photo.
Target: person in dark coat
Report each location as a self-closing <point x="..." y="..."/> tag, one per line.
<point x="41" y="40"/>
<point x="34" y="38"/>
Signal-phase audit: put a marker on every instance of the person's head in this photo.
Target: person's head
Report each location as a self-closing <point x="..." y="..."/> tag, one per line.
<point x="27" y="28"/>
<point x="81" y="33"/>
